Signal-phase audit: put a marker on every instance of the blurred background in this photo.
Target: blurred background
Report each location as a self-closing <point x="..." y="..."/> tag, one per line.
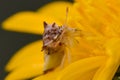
<point x="10" y="42"/>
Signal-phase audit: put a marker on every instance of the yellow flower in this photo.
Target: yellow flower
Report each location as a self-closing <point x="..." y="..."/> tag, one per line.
<point x="95" y="57"/>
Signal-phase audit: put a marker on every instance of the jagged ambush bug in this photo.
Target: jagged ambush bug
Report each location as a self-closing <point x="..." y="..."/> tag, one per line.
<point x="55" y="41"/>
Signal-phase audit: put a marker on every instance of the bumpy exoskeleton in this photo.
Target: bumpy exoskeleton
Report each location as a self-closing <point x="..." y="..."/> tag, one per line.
<point x="55" y="41"/>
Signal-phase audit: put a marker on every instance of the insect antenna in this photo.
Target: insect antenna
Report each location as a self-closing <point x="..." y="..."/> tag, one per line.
<point x="66" y="17"/>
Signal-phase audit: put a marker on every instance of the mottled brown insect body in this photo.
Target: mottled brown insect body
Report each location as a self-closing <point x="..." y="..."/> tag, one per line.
<point x="52" y="46"/>
<point x="55" y="41"/>
<point x="52" y="37"/>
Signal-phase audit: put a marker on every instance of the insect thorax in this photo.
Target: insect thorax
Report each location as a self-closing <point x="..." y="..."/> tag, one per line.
<point x="52" y="37"/>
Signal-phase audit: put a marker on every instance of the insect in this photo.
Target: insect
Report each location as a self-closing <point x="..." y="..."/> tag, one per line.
<point x="55" y="41"/>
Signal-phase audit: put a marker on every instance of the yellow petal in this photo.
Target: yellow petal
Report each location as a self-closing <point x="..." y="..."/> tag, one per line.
<point x="29" y="22"/>
<point x="56" y="9"/>
<point x="28" y="54"/>
<point x="101" y="15"/>
<point x="82" y="0"/>
<point x="80" y="68"/>
<point x="25" y="72"/>
<point x="52" y="75"/>
<point x="108" y="70"/>
<point x="84" y="10"/>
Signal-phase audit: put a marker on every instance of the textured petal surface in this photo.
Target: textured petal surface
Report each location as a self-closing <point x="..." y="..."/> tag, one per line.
<point x="107" y="71"/>
<point x="80" y="68"/>
<point x="102" y="16"/>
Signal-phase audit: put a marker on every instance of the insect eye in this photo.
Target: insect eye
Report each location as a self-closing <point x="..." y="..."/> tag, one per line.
<point x="60" y="44"/>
